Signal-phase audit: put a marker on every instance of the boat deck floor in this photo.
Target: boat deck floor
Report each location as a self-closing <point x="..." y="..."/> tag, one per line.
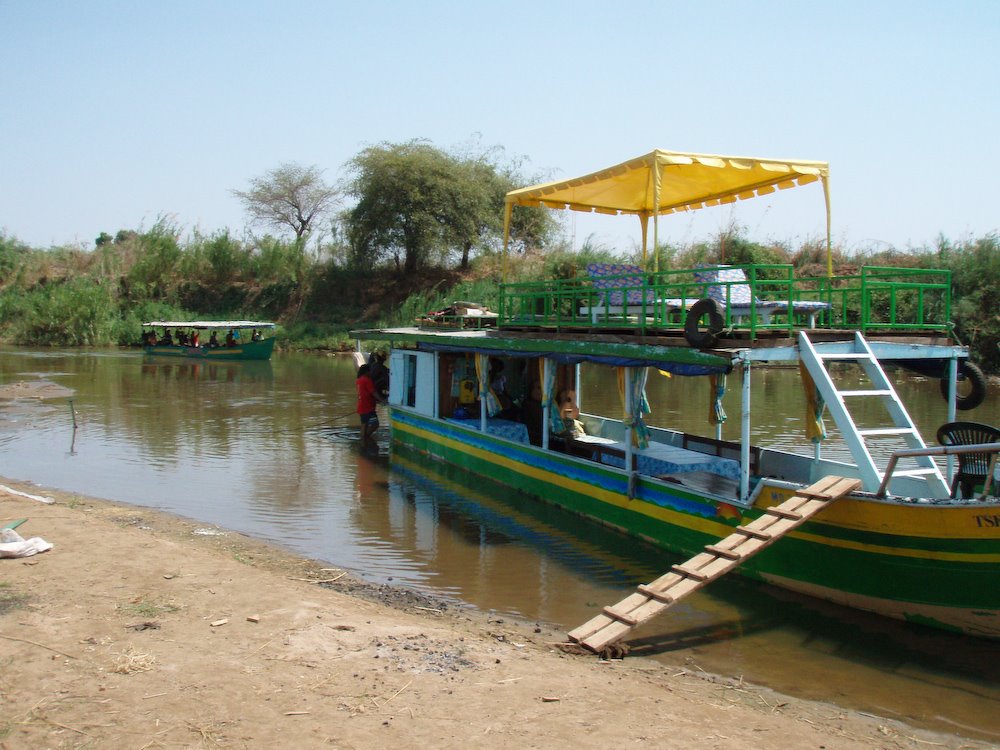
<point x="731" y="341"/>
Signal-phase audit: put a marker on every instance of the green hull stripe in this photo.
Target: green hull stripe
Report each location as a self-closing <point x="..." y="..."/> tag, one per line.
<point x="943" y="572"/>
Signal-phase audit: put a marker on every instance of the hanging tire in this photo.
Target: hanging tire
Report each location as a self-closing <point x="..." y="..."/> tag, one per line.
<point x="967" y="372"/>
<point x="704" y="338"/>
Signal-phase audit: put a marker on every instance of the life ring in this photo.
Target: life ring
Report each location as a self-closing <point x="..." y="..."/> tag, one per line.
<point x="703" y="339"/>
<point x="967" y="371"/>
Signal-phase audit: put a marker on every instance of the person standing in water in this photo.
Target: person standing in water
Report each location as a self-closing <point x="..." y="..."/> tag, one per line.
<point x="368" y="396"/>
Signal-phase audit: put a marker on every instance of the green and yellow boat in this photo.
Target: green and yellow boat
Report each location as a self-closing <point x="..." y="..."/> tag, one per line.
<point x="218" y="340"/>
<point x="917" y="541"/>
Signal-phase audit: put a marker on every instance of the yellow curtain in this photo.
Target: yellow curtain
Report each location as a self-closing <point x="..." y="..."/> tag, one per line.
<point x="815" y="406"/>
<point x="488" y="398"/>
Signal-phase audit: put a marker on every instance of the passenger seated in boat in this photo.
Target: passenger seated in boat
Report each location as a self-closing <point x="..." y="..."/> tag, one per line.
<point x="193" y="339"/>
<point x="255" y="336"/>
<point x="182" y="338"/>
<point x="570" y="413"/>
<point x="230" y="339"/>
<point x="531" y="413"/>
<point x="498" y="384"/>
<point x="167" y="339"/>
<point x="213" y="341"/>
<point x="378" y="372"/>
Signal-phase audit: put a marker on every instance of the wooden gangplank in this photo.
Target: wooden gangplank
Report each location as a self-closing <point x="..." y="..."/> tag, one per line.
<point x="718" y="559"/>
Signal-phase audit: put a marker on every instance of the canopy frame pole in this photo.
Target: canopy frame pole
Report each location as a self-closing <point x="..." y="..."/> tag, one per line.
<point x="644" y="224"/>
<point x="655" y="171"/>
<point x="829" y="243"/>
<point x="508" y="207"/>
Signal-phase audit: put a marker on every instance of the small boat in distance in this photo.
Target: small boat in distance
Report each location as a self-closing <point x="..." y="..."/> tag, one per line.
<point x="228" y="340"/>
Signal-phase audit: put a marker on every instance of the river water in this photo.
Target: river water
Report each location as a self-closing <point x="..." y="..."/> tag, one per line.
<point x="270" y="449"/>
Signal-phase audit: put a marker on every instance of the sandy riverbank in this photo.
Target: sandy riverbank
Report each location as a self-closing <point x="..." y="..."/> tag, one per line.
<point x="142" y="630"/>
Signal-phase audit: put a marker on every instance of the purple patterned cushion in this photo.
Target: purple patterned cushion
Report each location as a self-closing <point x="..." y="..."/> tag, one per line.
<point x="625" y="281"/>
<point x="735" y="293"/>
<point x="738" y="291"/>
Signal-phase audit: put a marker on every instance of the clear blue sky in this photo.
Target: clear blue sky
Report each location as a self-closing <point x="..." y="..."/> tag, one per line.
<point x="116" y="113"/>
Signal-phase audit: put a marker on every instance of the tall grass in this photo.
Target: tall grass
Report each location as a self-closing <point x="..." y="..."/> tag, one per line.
<point x="77" y="312"/>
<point x="70" y="296"/>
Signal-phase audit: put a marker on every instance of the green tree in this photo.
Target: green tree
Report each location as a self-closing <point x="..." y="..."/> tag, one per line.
<point x="158" y="253"/>
<point x="415" y="202"/>
<point x="12" y="251"/>
<point x="531" y="227"/>
<point x="406" y="204"/>
<point x="289" y="196"/>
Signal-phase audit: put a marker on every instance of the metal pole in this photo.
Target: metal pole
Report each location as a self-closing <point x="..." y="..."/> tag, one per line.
<point x="745" y="434"/>
<point x="952" y="399"/>
<point x="579" y="389"/>
<point x="628" y="429"/>
<point x="547" y="369"/>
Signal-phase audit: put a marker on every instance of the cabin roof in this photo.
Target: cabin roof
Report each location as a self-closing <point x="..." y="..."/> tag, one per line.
<point x="670" y="354"/>
<point x="203" y="324"/>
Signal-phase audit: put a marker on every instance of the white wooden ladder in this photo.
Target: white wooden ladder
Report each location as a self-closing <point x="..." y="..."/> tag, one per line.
<point x="816" y="357"/>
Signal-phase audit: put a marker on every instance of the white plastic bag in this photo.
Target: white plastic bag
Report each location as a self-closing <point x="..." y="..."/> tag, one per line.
<point x="13" y="544"/>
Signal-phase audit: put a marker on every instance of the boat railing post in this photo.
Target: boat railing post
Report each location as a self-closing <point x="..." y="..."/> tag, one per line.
<point x="745" y="434"/>
<point x="576" y="380"/>
<point x="546" y="378"/>
<point x="629" y="430"/>
<point x="952" y="400"/>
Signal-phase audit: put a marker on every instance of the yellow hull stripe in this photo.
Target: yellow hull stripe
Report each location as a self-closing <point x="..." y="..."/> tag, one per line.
<point x="876" y="517"/>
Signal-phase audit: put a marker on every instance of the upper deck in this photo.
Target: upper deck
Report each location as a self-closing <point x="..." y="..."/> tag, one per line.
<point x="647" y="317"/>
<point x="754" y="304"/>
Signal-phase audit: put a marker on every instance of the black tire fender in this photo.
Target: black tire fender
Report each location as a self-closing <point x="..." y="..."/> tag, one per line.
<point x="696" y="337"/>
<point x="967" y="371"/>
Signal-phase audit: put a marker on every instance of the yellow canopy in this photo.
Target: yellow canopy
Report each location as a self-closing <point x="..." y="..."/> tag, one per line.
<point x="666" y="182"/>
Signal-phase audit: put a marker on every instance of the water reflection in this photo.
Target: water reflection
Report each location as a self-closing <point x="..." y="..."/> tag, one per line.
<point x="270" y="449"/>
<point x="498" y="549"/>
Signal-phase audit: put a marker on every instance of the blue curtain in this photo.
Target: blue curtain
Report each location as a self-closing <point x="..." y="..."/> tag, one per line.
<point x="634" y="378"/>
<point x="549" y="406"/>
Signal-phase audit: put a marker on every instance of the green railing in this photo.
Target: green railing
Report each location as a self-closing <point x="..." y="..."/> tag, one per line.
<point x="752" y="298"/>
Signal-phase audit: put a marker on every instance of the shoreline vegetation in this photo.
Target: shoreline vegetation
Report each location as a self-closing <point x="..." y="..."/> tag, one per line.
<point x="317" y="292"/>
<point x="143" y="629"/>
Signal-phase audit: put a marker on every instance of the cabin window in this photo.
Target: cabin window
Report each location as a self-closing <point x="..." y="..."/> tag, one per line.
<point x="410" y="380"/>
<point x="411" y="383"/>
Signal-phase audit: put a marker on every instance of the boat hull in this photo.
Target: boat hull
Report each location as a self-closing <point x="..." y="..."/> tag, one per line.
<point x="933" y="564"/>
<point x="249" y="351"/>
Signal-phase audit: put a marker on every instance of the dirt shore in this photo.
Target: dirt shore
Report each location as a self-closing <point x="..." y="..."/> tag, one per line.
<point x="142" y="630"/>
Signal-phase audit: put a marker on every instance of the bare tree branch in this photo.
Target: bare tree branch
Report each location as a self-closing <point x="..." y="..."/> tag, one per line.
<point x="289" y="197"/>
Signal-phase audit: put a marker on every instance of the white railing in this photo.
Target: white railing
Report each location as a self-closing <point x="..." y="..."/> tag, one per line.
<point x="943" y="450"/>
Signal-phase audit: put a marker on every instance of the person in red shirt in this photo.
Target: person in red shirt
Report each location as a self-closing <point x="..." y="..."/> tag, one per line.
<point x="368" y="396"/>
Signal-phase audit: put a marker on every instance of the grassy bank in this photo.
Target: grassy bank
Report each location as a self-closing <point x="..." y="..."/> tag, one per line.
<point x="70" y="296"/>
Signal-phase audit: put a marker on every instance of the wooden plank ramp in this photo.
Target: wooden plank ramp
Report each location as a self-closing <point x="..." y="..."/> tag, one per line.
<point x="719" y="558"/>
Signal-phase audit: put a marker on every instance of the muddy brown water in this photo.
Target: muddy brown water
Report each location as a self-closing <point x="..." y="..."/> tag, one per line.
<point x="270" y="449"/>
